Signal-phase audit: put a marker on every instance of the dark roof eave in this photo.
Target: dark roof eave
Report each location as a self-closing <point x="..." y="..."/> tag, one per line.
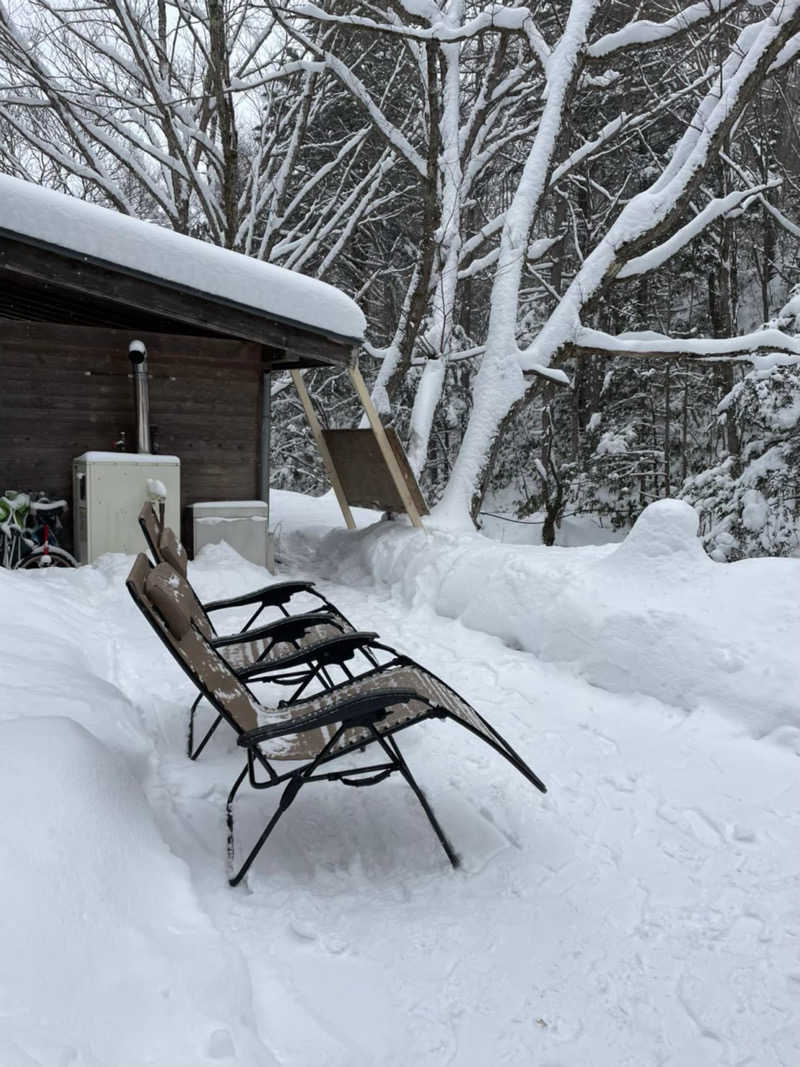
<point x="234" y="321"/>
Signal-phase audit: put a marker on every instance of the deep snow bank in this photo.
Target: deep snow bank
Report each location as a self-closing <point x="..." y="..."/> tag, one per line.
<point x="106" y="957"/>
<point x="653" y="614"/>
<point x="55" y="654"/>
<point x="99" y="924"/>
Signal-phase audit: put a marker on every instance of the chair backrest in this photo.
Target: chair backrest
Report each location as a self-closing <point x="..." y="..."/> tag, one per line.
<point x="158" y="594"/>
<point x="161" y="540"/>
<point x="184" y="594"/>
<point x="135" y="580"/>
<point x="150" y="524"/>
<point x="171" y="551"/>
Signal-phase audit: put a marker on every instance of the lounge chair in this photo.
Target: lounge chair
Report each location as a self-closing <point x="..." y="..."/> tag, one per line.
<point x="316" y="732"/>
<point x="294" y="651"/>
<point x="166" y="548"/>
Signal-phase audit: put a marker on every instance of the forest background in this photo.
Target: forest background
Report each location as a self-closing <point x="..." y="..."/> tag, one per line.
<point x="573" y="226"/>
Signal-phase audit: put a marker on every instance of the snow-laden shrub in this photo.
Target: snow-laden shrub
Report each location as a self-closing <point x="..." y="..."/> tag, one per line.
<point x="748" y="504"/>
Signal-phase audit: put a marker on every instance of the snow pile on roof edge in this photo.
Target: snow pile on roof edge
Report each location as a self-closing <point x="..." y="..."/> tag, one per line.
<point x="89" y="230"/>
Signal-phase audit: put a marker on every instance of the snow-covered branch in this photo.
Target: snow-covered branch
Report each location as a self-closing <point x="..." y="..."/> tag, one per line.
<point x="495" y="18"/>
<point x="648" y="345"/>
<point x="643" y="32"/>
<point x="717" y="208"/>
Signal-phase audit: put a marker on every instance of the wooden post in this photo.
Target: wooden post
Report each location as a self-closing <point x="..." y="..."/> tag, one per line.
<point x="316" y="431"/>
<point x="383" y="444"/>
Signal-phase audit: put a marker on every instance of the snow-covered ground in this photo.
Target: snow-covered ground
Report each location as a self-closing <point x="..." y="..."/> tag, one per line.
<point x="645" y="912"/>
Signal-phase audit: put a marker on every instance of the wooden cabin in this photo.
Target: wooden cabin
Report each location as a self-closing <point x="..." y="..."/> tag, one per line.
<point x="78" y="283"/>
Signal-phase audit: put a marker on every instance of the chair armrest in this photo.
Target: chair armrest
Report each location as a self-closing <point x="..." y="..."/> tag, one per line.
<point x="281" y="630"/>
<point x="270" y="596"/>
<point x="328" y="650"/>
<point x="357" y="709"/>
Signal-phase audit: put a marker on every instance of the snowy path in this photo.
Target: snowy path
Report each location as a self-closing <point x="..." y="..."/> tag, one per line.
<point x="645" y="912"/>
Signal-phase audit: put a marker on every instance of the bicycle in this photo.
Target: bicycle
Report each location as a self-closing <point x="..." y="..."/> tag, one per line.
<point x="29" y="532"/>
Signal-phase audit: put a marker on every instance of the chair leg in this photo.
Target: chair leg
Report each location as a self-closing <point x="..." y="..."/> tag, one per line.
<point x="194" y="753"/>
<point x="392" y="749"/>
<point x="288" y="795"/>
<point x="293" y="787"/>
<point x="229" y="814"/>
<point x="190" y="738"/>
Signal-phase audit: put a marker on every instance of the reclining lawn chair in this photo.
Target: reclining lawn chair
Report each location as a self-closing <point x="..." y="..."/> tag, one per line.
<point x="265" y="645"/>
<point x="166" y="548"/>
<point x="316" y="732"/>
<point x="293" y="651"/>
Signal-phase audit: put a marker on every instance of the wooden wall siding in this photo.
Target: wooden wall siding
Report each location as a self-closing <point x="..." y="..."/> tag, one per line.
<point x="68" y="390"/>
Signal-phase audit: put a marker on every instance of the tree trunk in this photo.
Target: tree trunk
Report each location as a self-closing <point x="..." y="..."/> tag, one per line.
<point x="226" y="118"/>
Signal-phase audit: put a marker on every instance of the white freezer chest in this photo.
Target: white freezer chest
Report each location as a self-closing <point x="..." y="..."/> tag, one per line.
<point x="109" y="489"/>
<point x="243" y="524"/>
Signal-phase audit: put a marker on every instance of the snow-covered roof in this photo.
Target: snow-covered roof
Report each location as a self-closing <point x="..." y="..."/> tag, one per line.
<point x="121" y="242"/>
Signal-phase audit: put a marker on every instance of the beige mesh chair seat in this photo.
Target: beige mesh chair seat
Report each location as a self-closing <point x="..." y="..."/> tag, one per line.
<point x="317" y="731"/>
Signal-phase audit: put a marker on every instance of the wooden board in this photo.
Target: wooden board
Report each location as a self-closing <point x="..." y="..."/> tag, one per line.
<point x="365" y="477"/>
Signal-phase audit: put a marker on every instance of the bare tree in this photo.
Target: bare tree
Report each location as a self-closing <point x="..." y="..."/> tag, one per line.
<point x="197" y="116"/>
<point x="649" y="229"/>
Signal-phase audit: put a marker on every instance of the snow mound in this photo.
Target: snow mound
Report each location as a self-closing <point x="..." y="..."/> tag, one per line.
<point x="99" y="924"/>
<point x="667" y="530"/>
<point x="55" y="656"/>
<point x="652" y="615"/>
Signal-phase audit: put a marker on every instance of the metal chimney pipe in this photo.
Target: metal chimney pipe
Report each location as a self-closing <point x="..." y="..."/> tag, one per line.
<point x="141" y="390"/>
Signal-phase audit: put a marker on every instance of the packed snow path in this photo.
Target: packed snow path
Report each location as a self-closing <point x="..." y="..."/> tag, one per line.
<point x="645" y="912"/>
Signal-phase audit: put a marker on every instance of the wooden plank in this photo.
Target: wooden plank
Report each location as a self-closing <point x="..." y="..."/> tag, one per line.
<point x="27" y="426"/>
<point x="316" y="432"/>
<point x="95" y="363"/>
<point x="70" y="402"/>
<point x="365" y="477"/>
<point x="82" y="338"/>
<point x="383" y="443"/>
<point x="94" y="366"/>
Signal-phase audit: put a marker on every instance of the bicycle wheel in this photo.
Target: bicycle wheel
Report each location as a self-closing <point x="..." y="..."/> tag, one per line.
<point x="39" y="558"/>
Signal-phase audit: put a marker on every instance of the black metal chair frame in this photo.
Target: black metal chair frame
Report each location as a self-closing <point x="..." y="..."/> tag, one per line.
<point x="360" y="711"/>
<point x="354" y="716"/>
<point x="356" y="777"/>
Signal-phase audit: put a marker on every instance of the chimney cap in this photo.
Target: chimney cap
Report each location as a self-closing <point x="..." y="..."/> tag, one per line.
<point x="137" y="351"/>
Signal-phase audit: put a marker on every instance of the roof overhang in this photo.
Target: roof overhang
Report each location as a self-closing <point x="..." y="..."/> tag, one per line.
<point x="57" y="269"/>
